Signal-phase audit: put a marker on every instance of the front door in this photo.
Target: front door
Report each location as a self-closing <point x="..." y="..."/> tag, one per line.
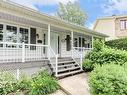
<point x="55" y="43"/>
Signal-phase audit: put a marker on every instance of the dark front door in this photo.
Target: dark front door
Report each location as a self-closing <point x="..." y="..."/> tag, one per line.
<point x="33" y="38"/>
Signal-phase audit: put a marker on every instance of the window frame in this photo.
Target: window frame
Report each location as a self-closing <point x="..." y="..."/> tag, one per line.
<point x="123" y="26"/>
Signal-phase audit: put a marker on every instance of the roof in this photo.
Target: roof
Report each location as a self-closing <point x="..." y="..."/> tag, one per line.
<point x="55" y="19"/>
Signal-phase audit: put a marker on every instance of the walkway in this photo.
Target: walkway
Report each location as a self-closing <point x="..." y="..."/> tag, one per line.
<point x="76" y="85"/>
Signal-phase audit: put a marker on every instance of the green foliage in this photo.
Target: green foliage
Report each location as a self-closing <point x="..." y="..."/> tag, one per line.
<point x="43" y="84"/>
<point x="98" y="45"/>
<point x="108" y="79"/>
<point x="118" y="43"/>
<point x="7" y="83"/>
<point x="88" y="65"/>
<point x="24" y="83"/>
<point x="72" y="12"/>
<point x="104" y="55"/>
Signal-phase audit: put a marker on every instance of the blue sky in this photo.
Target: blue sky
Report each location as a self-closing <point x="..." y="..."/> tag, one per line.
<point x="94" y="8"/>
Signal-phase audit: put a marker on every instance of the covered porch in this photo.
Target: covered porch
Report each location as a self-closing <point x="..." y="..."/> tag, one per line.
<point x="24" y="44"/>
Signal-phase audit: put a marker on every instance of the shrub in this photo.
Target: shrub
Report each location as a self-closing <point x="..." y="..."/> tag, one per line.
<point x="98" y="45"/>
<point x="24" y="83"/>
<point x="109" y="79"/>
<point x="8" y="83"/>
<point x="105" y="55"/>
<point x="88" y="65"/>
<point x="43" y="84"/>
<point x="118" y="43"/>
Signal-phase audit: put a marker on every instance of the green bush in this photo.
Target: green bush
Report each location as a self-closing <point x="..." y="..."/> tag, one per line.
<point x="103" y="56"/>
<point x="43" y="83"/>
<point x="98" y="45"/>
<point x="108" y="79"/>
<point x="24" y="83"/>
<point x="88" y="65"/>
<point x="8" y="83"/>
<point x="118" y="43"/>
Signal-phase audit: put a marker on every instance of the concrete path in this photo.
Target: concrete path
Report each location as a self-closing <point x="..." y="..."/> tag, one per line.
<point x="76" y="85"/>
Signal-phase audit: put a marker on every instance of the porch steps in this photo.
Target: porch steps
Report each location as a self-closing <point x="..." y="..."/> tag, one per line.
<point x="67" y="67"/>
<point x="69" y="73"/>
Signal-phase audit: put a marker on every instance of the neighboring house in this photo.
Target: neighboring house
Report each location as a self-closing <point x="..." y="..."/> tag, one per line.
<point x="115" y="26"/>
<point x="30" y="39"/>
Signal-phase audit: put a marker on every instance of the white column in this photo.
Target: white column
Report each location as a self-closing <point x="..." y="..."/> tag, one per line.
<point x="72" y="38"/>
<point x="49" y="31"/>
<point x="92" y="41"/>
<point x="56" y="72"/>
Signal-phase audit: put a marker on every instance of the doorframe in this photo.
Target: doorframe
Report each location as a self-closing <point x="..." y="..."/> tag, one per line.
<point x="58" y="43"/>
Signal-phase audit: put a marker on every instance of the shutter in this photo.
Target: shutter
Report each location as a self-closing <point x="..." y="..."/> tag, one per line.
<point x="68" y="43"/>
<point x="33" y="38"/>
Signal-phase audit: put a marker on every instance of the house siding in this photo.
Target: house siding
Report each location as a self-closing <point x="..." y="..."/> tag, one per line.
<point x="106" y="26"/>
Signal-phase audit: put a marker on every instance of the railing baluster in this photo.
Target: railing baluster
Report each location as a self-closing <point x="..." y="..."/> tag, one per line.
<point x="56" y="65"/>
<point x="23" y="52"/>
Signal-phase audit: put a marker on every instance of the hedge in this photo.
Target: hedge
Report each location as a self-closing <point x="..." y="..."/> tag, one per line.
<point x="109" y="79"/>
<point x="118" y="43"/>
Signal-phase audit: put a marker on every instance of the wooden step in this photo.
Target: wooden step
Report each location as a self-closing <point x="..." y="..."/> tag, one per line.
<point x="68" y="69"/>
<point x="67" y="65"/>
<point x="68" y="73"/>
<point x="66" y="62"/>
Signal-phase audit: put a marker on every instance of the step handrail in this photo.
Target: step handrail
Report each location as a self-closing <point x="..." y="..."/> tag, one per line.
<point x="80" y="53"/>
<point x="56" y="61"/>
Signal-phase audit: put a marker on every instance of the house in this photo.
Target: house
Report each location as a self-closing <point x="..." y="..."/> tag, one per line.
<point x="30" y="39"/>
<point x="114" y="26"/>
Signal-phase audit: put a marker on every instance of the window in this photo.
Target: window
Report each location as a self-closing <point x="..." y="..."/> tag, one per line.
<point x="1" y="32"/>
<point x="23" y="35"/>
<point x="11" y="34"/>
<point x="123" y="24"/>
<point x="75" y="42"/>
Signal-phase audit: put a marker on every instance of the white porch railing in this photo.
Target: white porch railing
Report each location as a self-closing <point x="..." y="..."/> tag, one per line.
<point x="20" y="52"/>
<point x="78" y="54"/>
<point x="53" y="60"/>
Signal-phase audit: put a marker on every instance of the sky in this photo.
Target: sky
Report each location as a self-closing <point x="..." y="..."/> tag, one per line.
<point x="94" y="8"/>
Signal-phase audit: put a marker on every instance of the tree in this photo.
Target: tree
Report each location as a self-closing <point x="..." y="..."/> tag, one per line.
<point x="72" y="12"/>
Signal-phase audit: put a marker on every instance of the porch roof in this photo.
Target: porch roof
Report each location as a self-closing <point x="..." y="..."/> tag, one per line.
<point x="52" y="19"/>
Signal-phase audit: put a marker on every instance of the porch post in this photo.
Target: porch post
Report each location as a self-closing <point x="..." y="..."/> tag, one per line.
<point x="72" y="37"/>
<point x="92" y="41"/>
<point x="49" y="30"/>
